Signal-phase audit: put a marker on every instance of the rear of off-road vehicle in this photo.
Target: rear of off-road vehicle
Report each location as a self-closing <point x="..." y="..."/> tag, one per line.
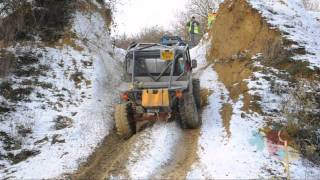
<point x="161" y="88"/>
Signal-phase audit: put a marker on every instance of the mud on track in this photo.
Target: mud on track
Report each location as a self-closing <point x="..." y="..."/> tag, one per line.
<point x="104" y="160"/>
<point x="112" y="157"/>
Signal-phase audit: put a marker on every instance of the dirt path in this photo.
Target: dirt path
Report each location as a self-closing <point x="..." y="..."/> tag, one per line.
<point x="111" y="158"/>
<point x="103" y="161"/>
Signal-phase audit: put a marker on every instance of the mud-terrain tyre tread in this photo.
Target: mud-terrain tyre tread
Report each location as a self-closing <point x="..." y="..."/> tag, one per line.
<point x="196" y="92"/>
<point x="122" y="121"/>
<point x="189" y="117"/>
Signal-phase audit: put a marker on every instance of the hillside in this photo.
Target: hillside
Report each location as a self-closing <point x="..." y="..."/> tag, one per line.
<point x="56" y="94"/>
<point x="267" y="53"/>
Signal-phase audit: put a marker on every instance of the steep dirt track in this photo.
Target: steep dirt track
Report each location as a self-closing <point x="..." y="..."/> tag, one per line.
<point x="111" y="158"/>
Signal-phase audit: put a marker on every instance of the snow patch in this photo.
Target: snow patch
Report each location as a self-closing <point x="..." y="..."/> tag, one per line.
<point x="301" y="26"/>
<point x="154" y="151"/>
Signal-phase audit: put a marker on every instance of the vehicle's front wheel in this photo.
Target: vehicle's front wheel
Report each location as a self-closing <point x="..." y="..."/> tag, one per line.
<point x="122" y="120"/>
<point x="189" y="116"/>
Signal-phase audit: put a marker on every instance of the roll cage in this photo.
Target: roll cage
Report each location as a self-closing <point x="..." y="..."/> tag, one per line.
<point x="141" y="51"/>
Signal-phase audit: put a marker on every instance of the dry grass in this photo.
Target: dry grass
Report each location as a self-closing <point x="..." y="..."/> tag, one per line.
<point x="88" y="6"/>
<point x="69" y="38"/>
<point x="47" y="21"/>
<point x="301" y="110"/>
<point x="151" y="35"/>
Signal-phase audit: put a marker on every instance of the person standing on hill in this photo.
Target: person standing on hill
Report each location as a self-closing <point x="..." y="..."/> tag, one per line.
<point x="211" y="18"/>
<point x="193" y="27"/>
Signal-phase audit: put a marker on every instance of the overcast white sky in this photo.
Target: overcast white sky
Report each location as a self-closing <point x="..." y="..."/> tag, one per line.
<point x="135" y="15"/>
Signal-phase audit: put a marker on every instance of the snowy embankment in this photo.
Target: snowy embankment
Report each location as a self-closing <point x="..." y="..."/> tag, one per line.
<point x="298" y="24"/>
<point x="70" y="116"/>
<point x="234" y="147"/>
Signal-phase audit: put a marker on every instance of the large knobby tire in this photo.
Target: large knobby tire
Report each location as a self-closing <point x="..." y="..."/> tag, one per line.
<point x="122" y="120"/>
<point x="196" y="92"/>
<point x="189" y="116"/>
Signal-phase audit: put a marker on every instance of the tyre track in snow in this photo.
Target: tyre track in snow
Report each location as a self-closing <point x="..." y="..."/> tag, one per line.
<point x="111" y="158"/>
<point x="185" y="151"/>
<point x="105" y="158"/>
<point x="185" y="154"/>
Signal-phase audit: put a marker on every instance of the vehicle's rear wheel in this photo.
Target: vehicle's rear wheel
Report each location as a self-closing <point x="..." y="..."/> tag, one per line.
<point x="196" y="92"/>
<point x="122" y="120"/>
<point x="126" y="77"/>
<point x="189" y="117"/>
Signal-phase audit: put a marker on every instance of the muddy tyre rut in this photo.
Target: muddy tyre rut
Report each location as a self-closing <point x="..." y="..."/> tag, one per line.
<point x="103" y="162"/>
<point x="111" y="158"/>
<point x="185" y="156"/>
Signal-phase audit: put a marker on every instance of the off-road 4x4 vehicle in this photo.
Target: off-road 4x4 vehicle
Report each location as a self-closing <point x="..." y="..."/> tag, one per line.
<point x="161" y="87"/>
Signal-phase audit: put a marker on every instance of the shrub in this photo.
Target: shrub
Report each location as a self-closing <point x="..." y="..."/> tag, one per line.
<point x="149" y="35"/>
<point x="25" y="19"/>
<point x="302" y="110"/>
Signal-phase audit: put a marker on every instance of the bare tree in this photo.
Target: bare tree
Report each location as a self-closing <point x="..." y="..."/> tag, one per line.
<point x="151" y="34"/>
<point x="180" y="24"/>
<point x="201" y="9"/>
<point x="197" y="8"/>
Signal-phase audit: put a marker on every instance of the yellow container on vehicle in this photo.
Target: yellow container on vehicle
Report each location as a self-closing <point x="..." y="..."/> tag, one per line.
<point x="155" y="98"/>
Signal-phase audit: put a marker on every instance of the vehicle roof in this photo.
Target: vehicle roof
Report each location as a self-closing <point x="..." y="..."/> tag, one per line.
<point x="152" y="50"/>
<point x="154" y="46"/>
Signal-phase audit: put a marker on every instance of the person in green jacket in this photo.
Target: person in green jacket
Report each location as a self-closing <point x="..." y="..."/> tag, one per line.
<point x="211" y="18"/>
<point x="193" y="27"/>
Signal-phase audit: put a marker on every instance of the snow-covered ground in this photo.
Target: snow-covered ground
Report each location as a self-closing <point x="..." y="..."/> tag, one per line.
<point x="302" y="26"/>
<point x="156" y="149"/>
<point x="85" y="84"/>
<point x="199" y="53"/>
<point x="313" y="5"/>
<point x="239" y="150"/>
